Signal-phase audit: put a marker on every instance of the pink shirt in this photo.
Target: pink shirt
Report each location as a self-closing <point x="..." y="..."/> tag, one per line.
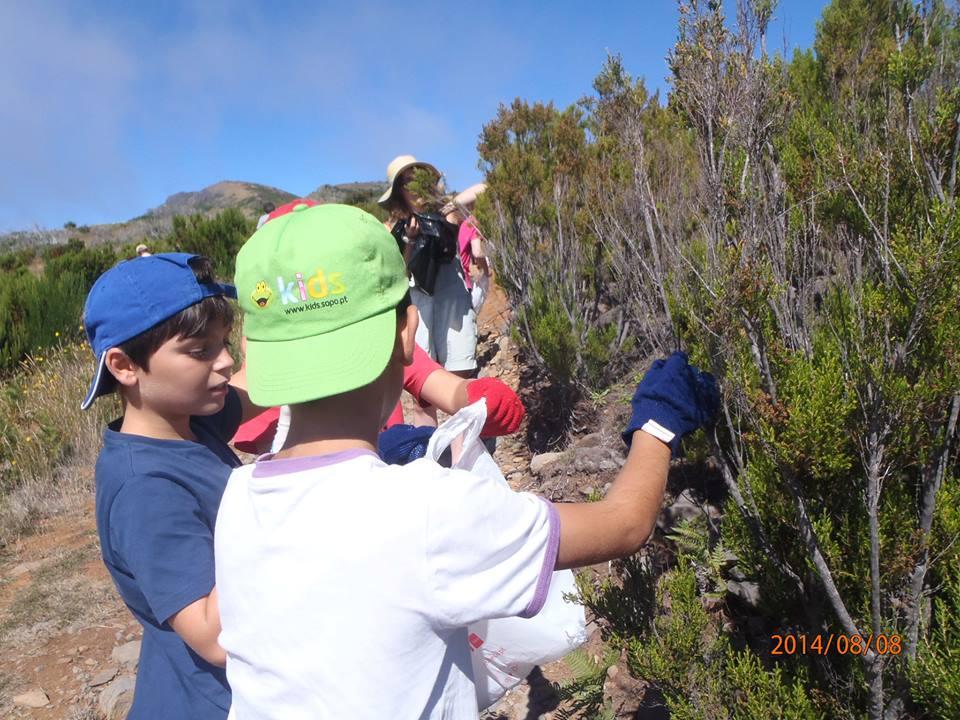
<point x="468" y="231"/>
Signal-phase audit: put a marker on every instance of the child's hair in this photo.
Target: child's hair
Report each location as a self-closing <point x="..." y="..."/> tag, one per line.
<point x="189" y="322"/>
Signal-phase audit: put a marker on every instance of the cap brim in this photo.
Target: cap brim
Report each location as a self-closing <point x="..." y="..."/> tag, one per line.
<point x="393" y="183"/>
<point x="103" y="382"/>
<point x="296" y="371"/>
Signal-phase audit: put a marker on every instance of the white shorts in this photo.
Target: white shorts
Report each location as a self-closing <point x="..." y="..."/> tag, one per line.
<point x="448" y="323"/>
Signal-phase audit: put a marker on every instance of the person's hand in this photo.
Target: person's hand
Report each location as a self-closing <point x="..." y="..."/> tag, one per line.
<point x="400" y="444"/>
<point x="504" y="410"/>
<point x="673" y="400"/>
<point x="452" y="213"/>
<point x="413" y="227"/>
<point x="479" y="266"/>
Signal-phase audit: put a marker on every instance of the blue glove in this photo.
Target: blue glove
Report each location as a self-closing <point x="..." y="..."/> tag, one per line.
<point x="673" y="400"/>
<point x="401" y="444"/>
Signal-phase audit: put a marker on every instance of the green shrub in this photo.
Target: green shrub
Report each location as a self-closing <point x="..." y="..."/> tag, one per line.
<point x="219" y="238"/>
<point x="74" y="257"/>
<point x="549" y="258"/>
<point x="935" y="674"/>
<point x="41" y="311"/>
<point x="583" y="696"/>
<point x="551" y="334"/>
<point x="38" y="312"/>
<point x="17" y="260"/>
<point x="700" y="675"/>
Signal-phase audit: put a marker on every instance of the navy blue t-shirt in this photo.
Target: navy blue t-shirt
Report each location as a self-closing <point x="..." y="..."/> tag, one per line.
<point x="157" y="503"/>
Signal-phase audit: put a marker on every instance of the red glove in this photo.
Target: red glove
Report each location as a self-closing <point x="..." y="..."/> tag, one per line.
<point x="504" y="410"/>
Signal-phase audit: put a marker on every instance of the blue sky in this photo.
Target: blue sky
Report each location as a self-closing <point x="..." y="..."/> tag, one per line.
<point x="108" y="106"/>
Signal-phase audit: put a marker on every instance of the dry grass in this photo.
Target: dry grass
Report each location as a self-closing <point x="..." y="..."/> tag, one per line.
<point x="59" y="594"/>
<point x="47" y="445"/>
<point x="86" y="712"/>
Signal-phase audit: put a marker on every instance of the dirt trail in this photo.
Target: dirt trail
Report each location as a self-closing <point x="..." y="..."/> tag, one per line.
<point x="60" y="620"/>
<point x="69" y="644"/>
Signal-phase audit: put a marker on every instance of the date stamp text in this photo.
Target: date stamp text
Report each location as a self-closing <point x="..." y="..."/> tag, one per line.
<point x="840" y="643"/>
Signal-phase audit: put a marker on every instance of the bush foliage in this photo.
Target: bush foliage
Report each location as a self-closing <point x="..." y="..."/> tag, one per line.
<point x="794" y="225"/>
<point x="42" y="291"/>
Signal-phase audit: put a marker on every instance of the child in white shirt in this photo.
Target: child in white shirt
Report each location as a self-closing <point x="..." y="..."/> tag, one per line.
<point x="345" y="584"/>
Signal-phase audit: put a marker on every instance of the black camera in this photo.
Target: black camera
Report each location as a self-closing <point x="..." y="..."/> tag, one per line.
<point x="435" y="245"/>
<point x="398" y="230"/>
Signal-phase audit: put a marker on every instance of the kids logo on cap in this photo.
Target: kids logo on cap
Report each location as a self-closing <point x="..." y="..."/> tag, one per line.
<point x="261" y="295"/>
<point x="316" y="287"/>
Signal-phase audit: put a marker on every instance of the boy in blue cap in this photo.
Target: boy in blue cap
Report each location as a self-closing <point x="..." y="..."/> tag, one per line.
<point x="346" y="585"/>
<point x="159" y="328"/>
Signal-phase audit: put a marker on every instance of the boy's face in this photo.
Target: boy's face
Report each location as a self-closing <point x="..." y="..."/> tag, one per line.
<point x="188" y="376"/>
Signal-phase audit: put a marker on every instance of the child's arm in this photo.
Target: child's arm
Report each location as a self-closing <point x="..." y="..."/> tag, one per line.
<point x="162" y="537"/>
<point x="673" y="400"/>
<point x="429" y="382"/>
<point x="478" y="255"/>
<point x="491" y="552"/>
<point x="444" y="390"/>
<point x="621" y="523"/>
<point x="451" y="392"/>
<point x="465" y="199"/>
<point x="468" y="197"/>
<point x="198" y="625"/>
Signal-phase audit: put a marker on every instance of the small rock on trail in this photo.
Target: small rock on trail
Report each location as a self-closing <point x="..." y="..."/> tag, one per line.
<point x="32" y="698"/>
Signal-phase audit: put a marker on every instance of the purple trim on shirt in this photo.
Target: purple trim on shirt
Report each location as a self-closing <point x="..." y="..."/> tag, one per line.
<point x="267" y="467"/>
<point x="549" y="563"/>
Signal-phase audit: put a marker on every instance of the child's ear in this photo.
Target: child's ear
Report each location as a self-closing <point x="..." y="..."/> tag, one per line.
<point x="122" y="367"/>
<point x="407" y="333"/>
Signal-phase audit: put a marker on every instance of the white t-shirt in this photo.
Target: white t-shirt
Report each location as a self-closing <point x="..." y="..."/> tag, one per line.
<point x="345" y="584"/>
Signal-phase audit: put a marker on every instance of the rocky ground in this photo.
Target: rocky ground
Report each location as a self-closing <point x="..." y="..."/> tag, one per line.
<point x="70" y="647"/>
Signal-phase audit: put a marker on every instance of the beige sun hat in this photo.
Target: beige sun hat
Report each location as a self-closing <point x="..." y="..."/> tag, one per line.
<point x="397" y="166"/>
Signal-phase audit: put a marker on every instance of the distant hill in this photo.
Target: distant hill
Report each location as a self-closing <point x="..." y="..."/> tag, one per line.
<point x="248" y="197"/>
<point x="245" y="196"/>
<point x="354" y="192"/>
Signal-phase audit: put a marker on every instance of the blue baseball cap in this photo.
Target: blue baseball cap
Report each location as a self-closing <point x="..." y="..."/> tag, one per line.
<point x="132" y="297"/>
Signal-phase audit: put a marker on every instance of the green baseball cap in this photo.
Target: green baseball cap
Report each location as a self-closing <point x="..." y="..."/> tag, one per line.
<point x="318" y="287"/>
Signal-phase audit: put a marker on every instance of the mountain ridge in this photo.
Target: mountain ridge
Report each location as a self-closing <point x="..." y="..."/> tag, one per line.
<point x="248" y="197"/>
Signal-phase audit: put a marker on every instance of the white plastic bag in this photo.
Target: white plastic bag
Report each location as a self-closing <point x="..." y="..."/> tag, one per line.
<point x="479" y="291"/>
<point x="505" y="650"/>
